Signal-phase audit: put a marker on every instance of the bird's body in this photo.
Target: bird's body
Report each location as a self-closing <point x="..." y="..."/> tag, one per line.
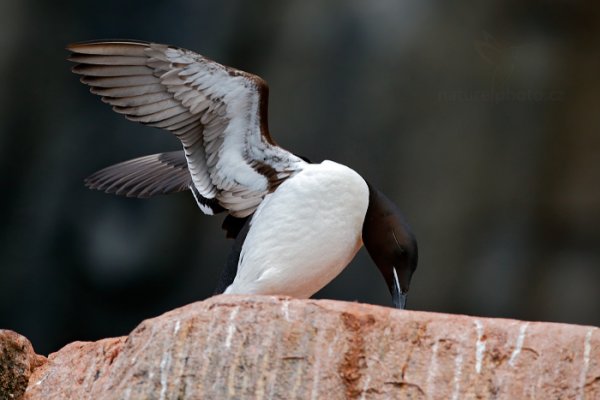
<point x="297" y="224"/>
<point x="305" y="233"/>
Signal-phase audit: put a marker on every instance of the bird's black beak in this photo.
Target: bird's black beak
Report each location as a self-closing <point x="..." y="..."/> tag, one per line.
<point x="398" y="296"/>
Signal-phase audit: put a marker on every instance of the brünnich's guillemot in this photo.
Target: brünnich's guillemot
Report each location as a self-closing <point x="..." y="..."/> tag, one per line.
<point x="297" y="225"/>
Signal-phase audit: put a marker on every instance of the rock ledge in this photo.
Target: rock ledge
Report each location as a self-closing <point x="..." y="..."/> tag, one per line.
<point x="271" y="347"/>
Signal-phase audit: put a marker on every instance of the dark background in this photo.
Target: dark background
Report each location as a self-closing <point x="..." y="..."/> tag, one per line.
<point x="480" y="119"/>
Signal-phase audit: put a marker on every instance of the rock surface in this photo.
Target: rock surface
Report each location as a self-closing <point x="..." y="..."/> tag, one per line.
<point x="278" y="348"/>
<point x="17" y="362"/>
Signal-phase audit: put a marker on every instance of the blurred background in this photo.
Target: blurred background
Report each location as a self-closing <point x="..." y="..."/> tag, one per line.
<point x="480" y="119"/>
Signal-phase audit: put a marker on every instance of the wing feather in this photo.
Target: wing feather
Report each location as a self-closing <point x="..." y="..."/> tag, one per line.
<point x="134" y="101"/>
<point x="218" y="113"/>
<point x="111" y="60"/>
<point x="108" y="93"/>
<point x="119" y="81"/>
<point x="111" y="70"/>
<point x="144" y="176"/>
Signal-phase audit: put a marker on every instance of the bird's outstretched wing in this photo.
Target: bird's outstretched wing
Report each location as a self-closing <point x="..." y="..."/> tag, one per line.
<point x="218" y="113"/>
<point x="144" y="176"/>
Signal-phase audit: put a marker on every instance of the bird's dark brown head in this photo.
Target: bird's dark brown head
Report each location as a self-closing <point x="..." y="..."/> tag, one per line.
<point x="391" y="244"/>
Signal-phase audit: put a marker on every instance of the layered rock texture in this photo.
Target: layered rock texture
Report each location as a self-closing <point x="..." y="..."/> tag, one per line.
<point x="17" y="362"/>
<point x="231" y="347"/>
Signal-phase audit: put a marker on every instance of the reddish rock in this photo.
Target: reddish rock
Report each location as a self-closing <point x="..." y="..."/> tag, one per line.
<point x="17" y="362"/>
<point x="278" y="348"/>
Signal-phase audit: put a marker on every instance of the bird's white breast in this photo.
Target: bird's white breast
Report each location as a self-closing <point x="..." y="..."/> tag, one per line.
<point x="305" y="233"/>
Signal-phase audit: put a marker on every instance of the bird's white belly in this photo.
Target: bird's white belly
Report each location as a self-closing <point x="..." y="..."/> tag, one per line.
<point x="304" y="234"/>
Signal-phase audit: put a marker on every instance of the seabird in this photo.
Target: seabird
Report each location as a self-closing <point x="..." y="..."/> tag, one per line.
<point x="297" y="224"/>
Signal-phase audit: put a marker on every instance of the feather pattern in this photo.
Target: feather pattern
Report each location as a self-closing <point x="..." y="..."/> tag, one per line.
<point x="144" y="176"/>
<point x="218" y="113"/>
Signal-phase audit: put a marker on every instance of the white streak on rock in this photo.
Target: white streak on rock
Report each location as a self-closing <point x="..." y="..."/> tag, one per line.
<point x="332" y="345"/>
<point x="231" y="327"/>
<point x="43" y="379"/>
<point x="165" y="365"/>
<point x="201" y="377"/>
<point x="177" y="326"/>
<point x="479" y="346"/>
<point x="286" y="310"/>
<point x="433" y="368"/>
<point x="458" y="363"/>
<point x="316" y="376"/>
<point x="518" y="345"/>
<point x="587" y="349"/>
